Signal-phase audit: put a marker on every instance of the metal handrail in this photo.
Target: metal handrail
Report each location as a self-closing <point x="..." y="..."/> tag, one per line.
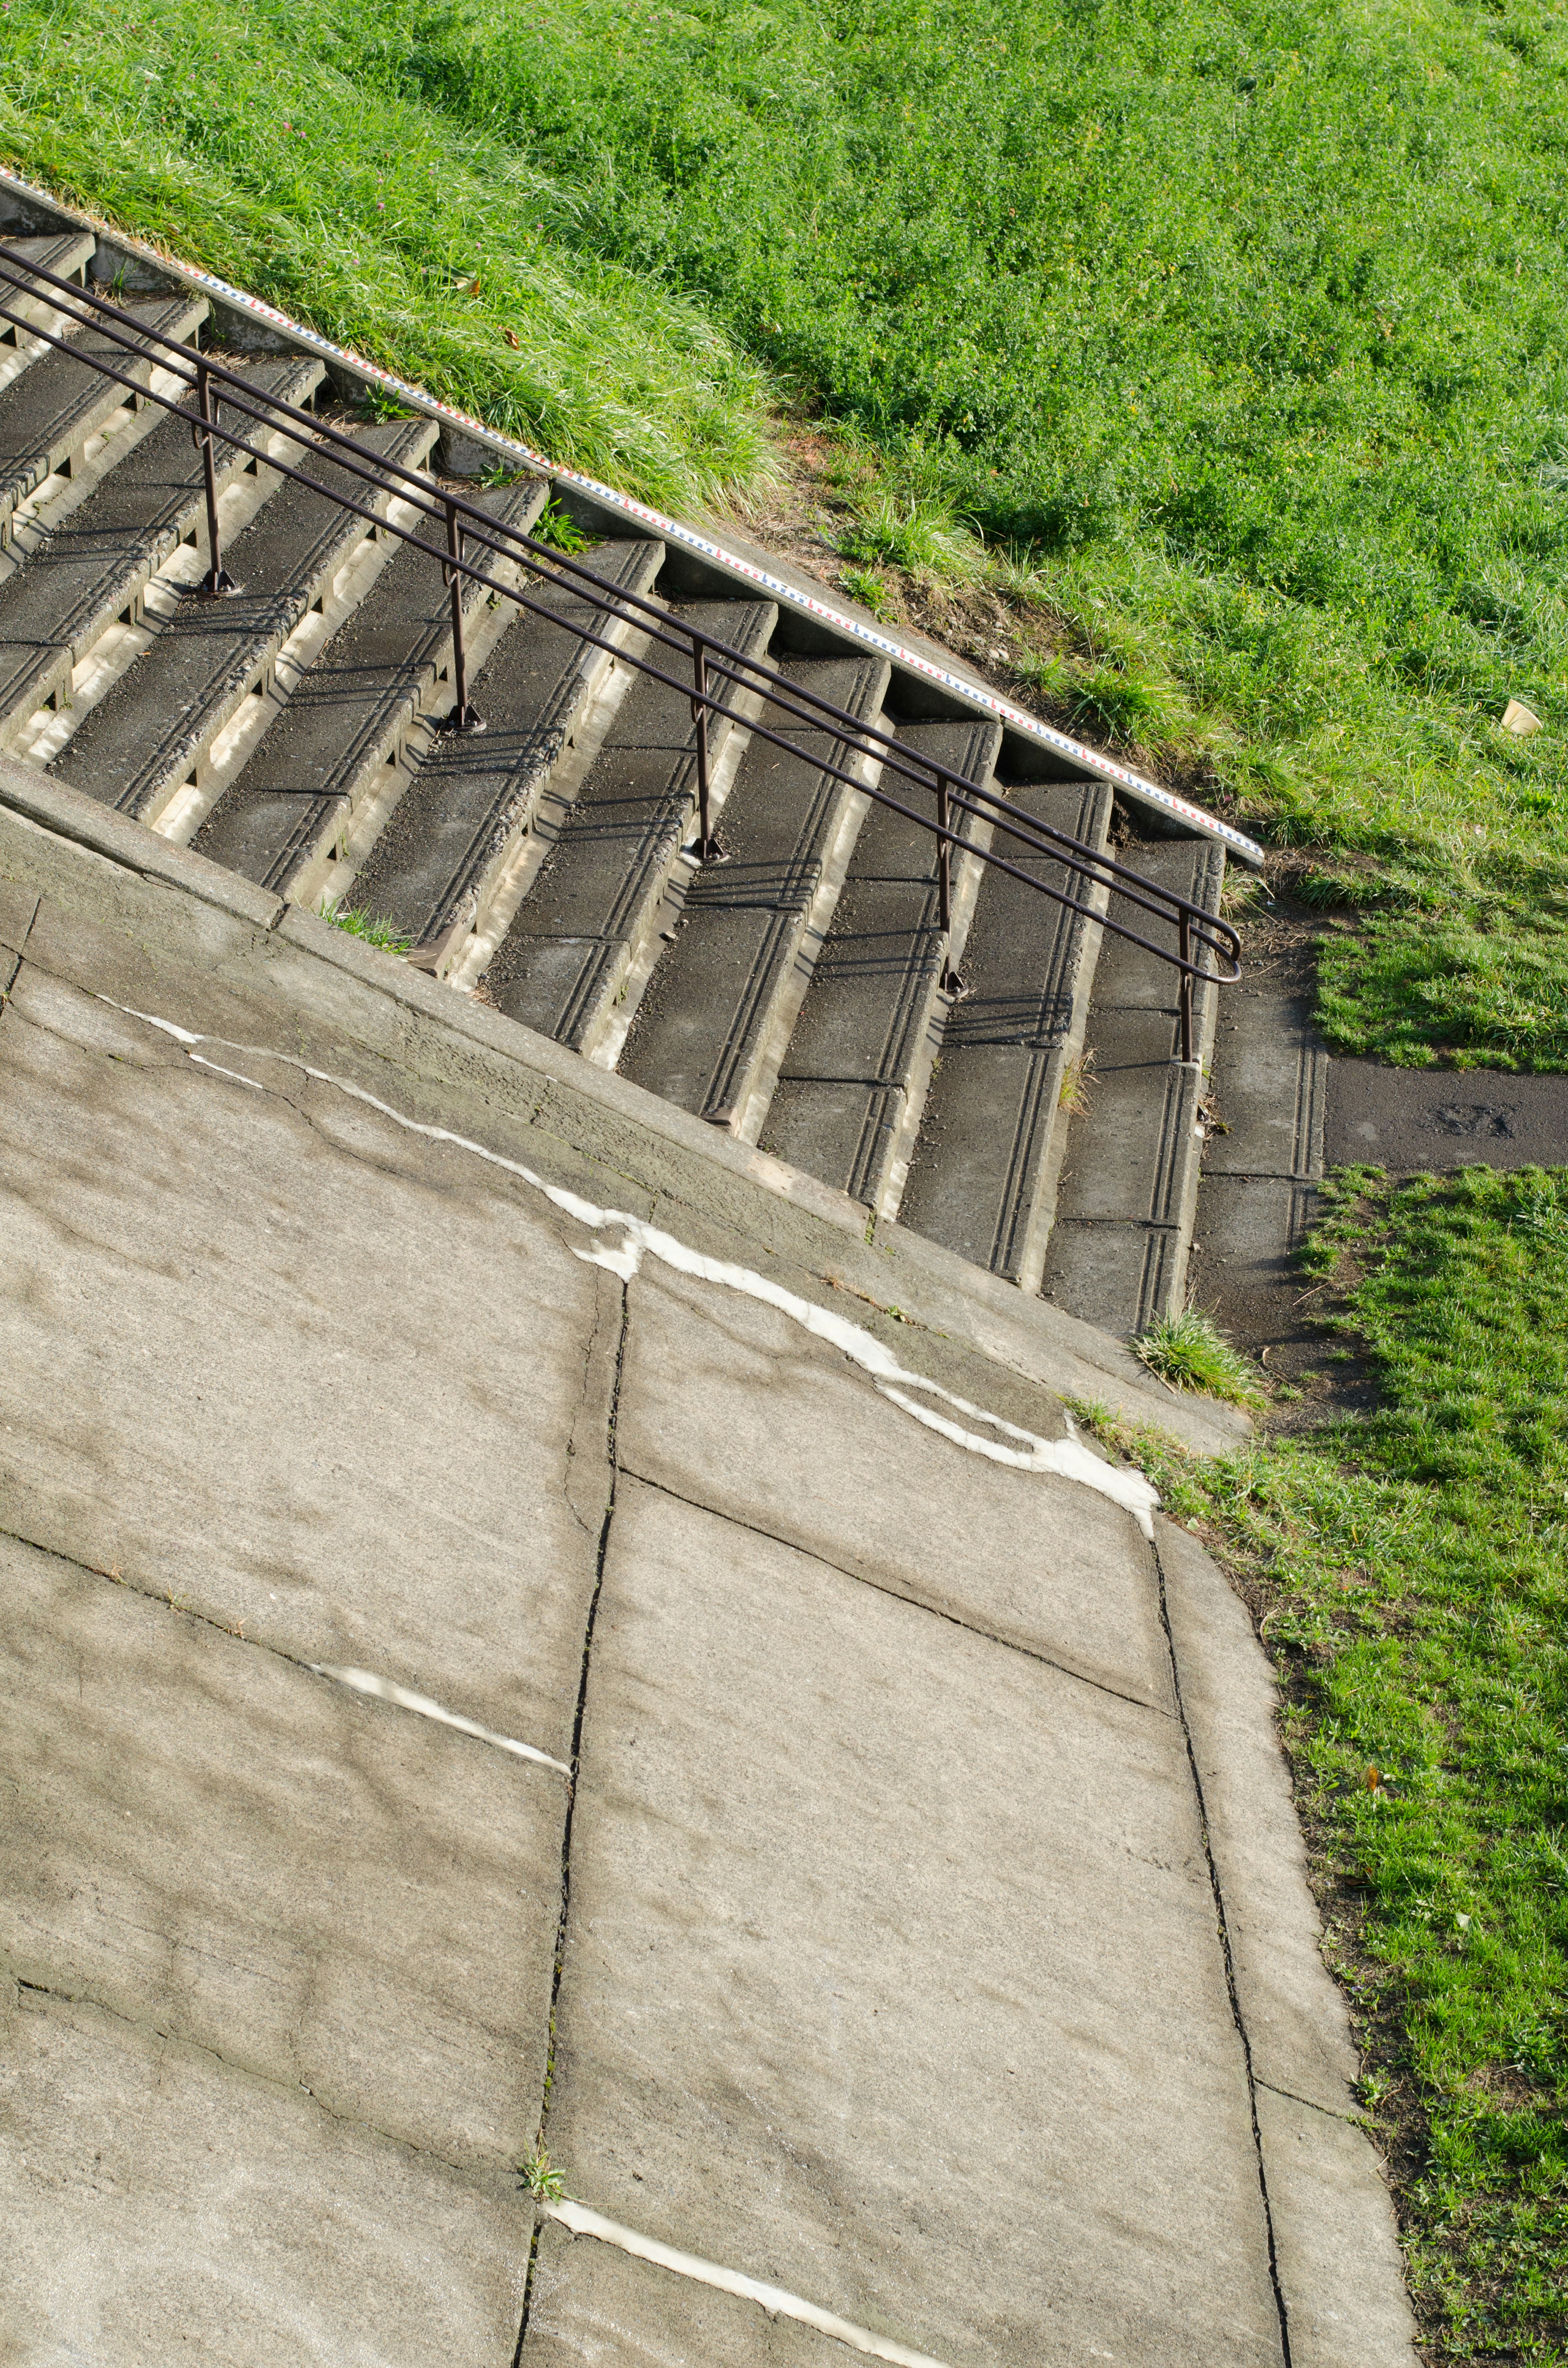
<point x="960" y="804"/>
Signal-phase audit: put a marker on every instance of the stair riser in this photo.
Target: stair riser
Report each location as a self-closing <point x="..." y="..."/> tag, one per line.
<point x="887" y="1186"/>
<point x="111" y="640"/>
<point x="1027" y="1268"/>
<point x="756" y="1087"/>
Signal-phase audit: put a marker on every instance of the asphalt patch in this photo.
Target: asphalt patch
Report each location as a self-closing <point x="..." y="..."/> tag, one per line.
<point x="1413" y="1120"/>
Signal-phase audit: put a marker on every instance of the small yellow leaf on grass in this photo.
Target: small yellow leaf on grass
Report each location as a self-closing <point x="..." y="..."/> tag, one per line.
<point x="514" y="340"/>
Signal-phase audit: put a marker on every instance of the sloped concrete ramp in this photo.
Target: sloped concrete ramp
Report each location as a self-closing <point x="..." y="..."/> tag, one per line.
<point x="398" y="1416"/>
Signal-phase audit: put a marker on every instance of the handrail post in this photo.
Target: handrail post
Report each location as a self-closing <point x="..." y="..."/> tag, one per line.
<point x="217" y="581"/>
<point x="945" y="884"/>
<point x="706" y="849"/>
<point x="1184" y="992"/>
<point x="463" y="717"/>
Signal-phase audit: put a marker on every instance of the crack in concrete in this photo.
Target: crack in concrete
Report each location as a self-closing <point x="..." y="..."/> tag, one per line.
<point x="1352" y="2121"/>
<point x="150" y="2028"/>
<point x="1227" y="1954"/>
<point x="612" y="1471"/>
<point x="361" y="1681"/>
<point x="880" y="1587"/>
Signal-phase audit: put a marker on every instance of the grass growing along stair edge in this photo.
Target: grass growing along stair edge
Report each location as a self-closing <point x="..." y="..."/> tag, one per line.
<point x="1219" y="352"/>
<point x="1407" y="1569"/>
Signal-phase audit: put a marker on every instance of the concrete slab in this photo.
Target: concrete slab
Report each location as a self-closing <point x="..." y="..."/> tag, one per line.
<point x="405" y="1469"/>
<point x="727" y="1403"/>
<point x="160" y="2205"/>
<point x="1419" y="1118"/>
<point x="1336" y="2243"/>
<point x="1244" y="1259"/>
<point x="594" y="2306"/>
<point x="1298" y="2030"/>
<point x="874" y="1920"/>
<point x="327" y="1892"/>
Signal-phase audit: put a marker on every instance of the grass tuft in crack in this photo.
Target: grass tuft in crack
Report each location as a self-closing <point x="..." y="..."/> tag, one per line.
<point x="1408" y="1569"/>
<point x="368" y="926"/>
<point x="540" y="2176"/>
<point x="1191" y="1352"/>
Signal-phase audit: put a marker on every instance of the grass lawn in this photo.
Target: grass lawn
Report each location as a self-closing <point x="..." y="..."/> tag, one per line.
<point x="1410" y="1571"/>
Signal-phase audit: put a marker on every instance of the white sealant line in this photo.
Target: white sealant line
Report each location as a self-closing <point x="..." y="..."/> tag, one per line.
<point x="1068" y="1458"/>
<point x="774" y="2299"/>
<point x="365" y="1681"/>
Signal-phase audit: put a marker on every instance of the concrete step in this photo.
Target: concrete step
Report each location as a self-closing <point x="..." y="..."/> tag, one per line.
<point x="151" y="733"/>
<point x="92" y="570"/>
<point x="1125" y="1210"/>
<point x="853" y="1082"/>
<point x="455" y="832"/>
<point x="982" y="1180"/>
<point x="579" y="946"/>
<point x="57" y="405"/>
<point x="65" y="254"/>
<point x="342" y="731"/>
<point x="720" y="1008"/>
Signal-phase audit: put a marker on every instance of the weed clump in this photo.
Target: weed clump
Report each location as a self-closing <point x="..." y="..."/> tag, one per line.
<point x="1189" y="1352"/>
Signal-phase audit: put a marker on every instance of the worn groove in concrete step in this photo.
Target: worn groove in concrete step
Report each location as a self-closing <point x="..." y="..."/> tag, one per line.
<point x="149" y="733"/>
<point x="720" y="1006"/>
<point x="57" y="404"/>
<point x="472" y="797"/>
<point x="852" y="1085"/>
<point x="63" y="254"/>
<point x="346" y="719"/>
<point x="1126" y="1207"/>
<point x="93" y="567"/>
<point x="600" y="890"/>
<point x="982" y="1180"/>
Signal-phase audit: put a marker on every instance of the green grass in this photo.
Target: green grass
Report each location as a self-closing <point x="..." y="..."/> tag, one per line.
<point x="1189" y="1352"/>
<point x="1226" y="335"/>
<point x="281" y="148"/>
<point x="1412" y="1566"/>
<point x="368" y="926"/>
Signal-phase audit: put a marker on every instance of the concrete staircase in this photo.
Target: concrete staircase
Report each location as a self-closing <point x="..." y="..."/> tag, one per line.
<point x="796" y="994"/>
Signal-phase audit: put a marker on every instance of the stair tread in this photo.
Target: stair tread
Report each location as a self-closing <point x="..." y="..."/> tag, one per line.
<point x="63" y="596"/>
<point x="379" y="667"/>
<point x="983" y="1175"/>
<point x="146" y="732"/>
<point x="1118" y="1249"/>
<point x="862" y="1034"/>
<point x="59" y="401"/>
<point x="703" y="1025"/>
<point x="471" y="795"/>
<point x="603" y="879"/>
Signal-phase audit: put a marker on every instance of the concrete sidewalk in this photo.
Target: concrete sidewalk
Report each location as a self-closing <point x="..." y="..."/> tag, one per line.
<point x="927" y="1935"/>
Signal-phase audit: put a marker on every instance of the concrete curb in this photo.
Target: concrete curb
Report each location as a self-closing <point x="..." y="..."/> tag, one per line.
<point x="347" y="994"/>
<point x="752" y="569"/>
<point x="1337" y="2262"/>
